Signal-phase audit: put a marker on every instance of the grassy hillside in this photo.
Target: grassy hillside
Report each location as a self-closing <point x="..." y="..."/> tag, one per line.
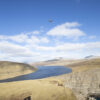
<point x="85" y="65"/>
<point x="59" y="62"/>
<point x="45" y="89"/>
<point x="76" y="64"/>
<point x="12" y="69"/>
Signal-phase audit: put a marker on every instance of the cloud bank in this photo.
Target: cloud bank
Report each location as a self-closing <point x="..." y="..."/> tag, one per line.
<point x="39" y="46"/>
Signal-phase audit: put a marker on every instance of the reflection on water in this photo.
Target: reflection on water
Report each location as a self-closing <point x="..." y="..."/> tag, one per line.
<point x="42" y="72"/>
<point x="97" y="98"/>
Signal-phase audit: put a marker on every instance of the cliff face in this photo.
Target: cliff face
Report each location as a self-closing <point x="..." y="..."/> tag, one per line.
<point x="84" y="83"/>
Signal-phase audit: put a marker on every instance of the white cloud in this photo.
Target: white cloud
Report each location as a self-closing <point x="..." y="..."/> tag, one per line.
<point x="92" y="37"/>
<point x="29" y="47"/>
<point x="33" y="32"/>
<point x="69" y="50"/>
<point x="44" y="40"/>
<point x="70" y="47"/>
<point x="69" y="30"/>
<point x="15" y="50"/>
<point x="18" y="47"/>
<point x="71" y="24"/>
<point x="25" y="38"/>
<point x="33" y="40"/>
<point x="17" y="38"/>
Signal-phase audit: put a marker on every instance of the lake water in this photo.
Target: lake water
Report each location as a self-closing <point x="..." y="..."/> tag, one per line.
<point x="42" y="72"/>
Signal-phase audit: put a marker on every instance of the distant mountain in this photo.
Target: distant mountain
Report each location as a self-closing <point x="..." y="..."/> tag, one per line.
<point x="91" y="57"/>
<point x="56" y="59"/>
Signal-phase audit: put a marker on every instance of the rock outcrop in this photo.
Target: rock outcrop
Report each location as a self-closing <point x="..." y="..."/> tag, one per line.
<point x="84" y="83"/>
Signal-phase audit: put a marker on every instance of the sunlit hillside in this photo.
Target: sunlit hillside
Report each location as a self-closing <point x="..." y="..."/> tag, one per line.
<point x="12" y="69"/>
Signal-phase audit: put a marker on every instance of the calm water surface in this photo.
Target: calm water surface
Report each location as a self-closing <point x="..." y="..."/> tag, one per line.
<point x="42" y="72"/>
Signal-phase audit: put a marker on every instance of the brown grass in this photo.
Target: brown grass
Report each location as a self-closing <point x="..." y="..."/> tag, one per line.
<point x="45" y="89"/>
<point x="85" y="65"/>
<point x="12" y="69"/>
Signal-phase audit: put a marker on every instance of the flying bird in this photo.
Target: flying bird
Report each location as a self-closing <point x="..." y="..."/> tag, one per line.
<point x="50" y="20"/>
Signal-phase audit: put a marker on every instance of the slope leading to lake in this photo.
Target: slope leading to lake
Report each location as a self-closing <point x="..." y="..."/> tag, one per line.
<point x="13" y="69"/>
<point x="45" y="89"/>
<point x="84" y="79"/>
<point x="84" y="65"/>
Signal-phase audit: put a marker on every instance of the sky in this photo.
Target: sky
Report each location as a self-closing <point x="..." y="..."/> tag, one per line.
<point x="26" y="35"/>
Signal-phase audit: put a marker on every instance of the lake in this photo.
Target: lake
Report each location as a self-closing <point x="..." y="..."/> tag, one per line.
<point x="42" y="72"/>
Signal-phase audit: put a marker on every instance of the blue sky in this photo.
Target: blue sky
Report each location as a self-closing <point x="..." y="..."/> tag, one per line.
<point x="26" y="35"/>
